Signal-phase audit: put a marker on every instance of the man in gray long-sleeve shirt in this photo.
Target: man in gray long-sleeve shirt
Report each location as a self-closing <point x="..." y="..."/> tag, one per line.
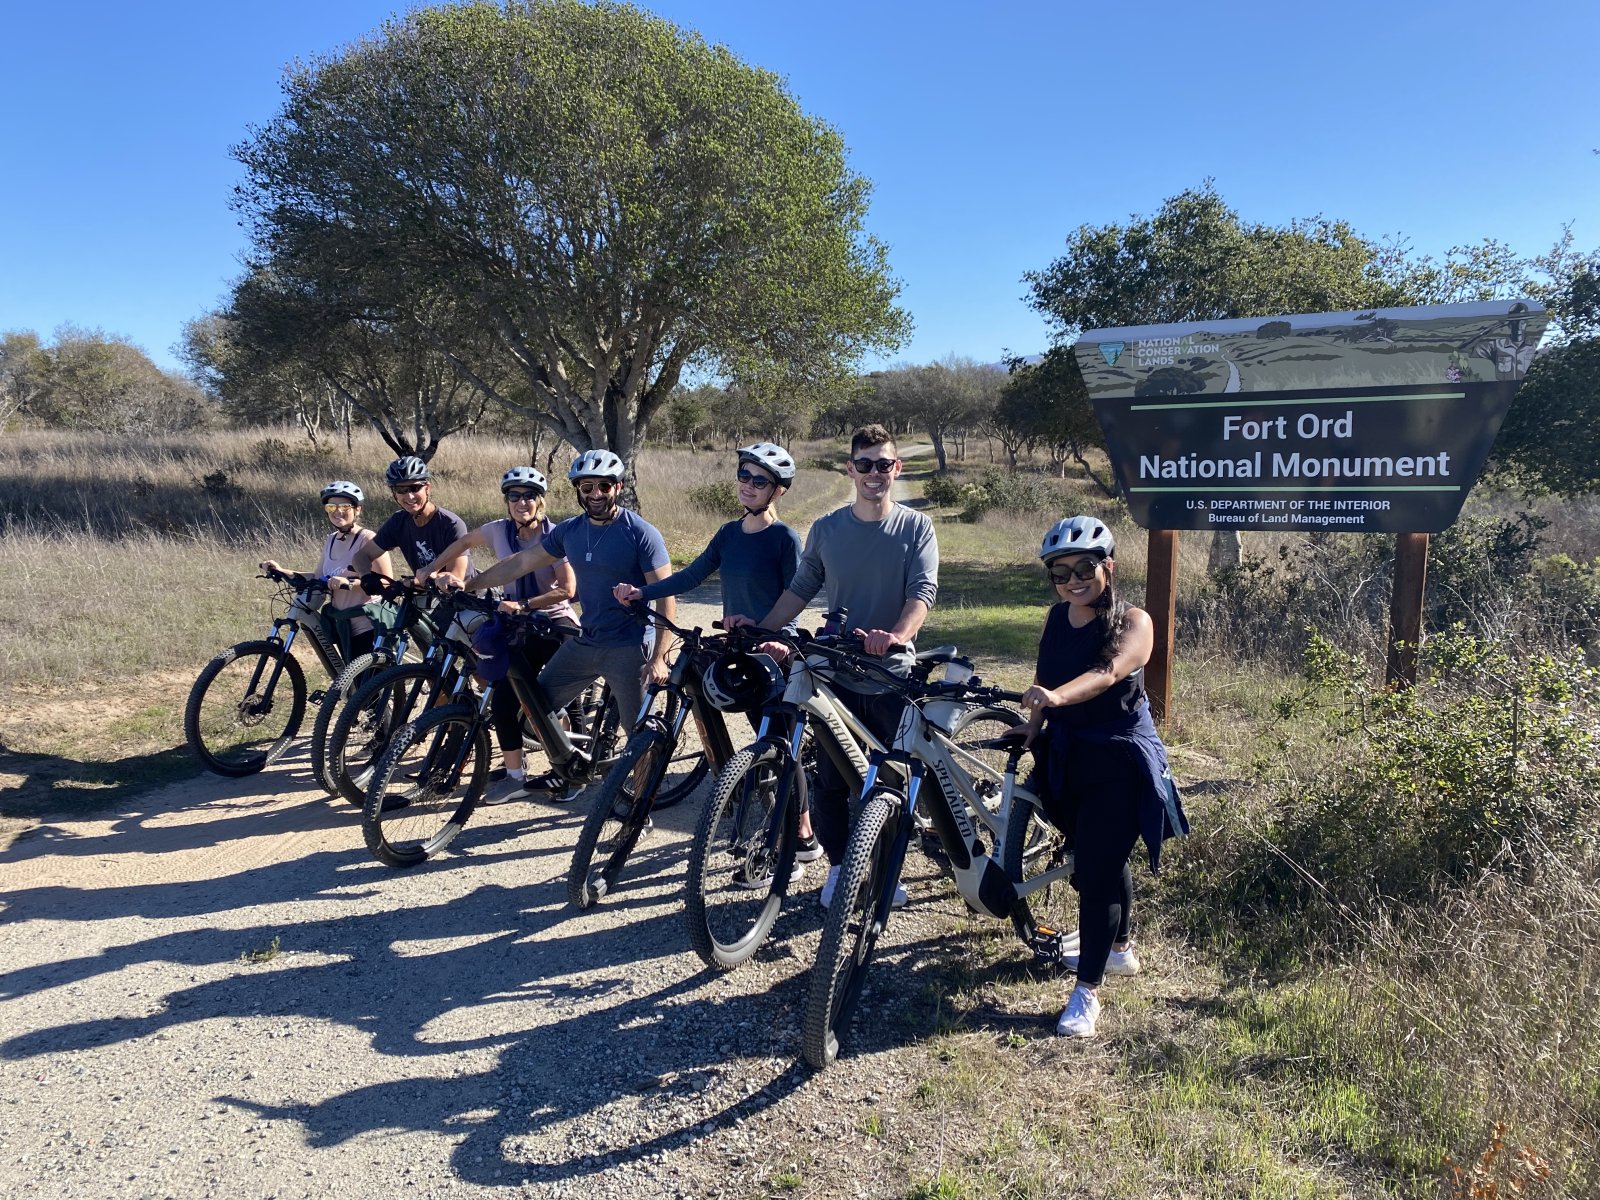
<point x="880" y="563"/>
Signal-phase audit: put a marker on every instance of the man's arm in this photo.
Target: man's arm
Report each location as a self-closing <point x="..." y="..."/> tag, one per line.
<point x="507" y="569"/>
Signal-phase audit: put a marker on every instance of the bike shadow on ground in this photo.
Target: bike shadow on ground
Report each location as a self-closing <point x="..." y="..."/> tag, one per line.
<point x="579" y="1020"/>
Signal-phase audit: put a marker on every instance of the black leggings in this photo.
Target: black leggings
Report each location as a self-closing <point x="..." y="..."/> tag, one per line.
<point x="1104" y="783"/>
<point x="831" y="818"/>
<point x="504" y="709"/>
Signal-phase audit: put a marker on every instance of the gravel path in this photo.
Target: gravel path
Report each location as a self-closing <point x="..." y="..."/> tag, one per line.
<point x="215" y="991"/>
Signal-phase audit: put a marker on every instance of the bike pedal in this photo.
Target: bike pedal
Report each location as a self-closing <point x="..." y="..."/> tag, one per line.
<point x="1046" y="945"/>
<point x="316" y="696"/>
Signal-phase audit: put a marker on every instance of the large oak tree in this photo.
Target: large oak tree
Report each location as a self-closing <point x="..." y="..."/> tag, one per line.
<point x="610" y="198"/>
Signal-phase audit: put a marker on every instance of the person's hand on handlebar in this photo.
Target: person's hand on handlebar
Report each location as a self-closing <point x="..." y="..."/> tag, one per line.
<point x="626" y="593"/>
<point x="735" y="620"/>
<point x="510" y="607"/>
<point x="270" y="565"/>
<point x="875" y="642"/>
<point x="441" y="581"/>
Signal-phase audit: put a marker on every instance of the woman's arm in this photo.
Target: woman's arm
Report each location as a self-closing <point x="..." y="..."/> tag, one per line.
<point x="565" y="587"/>
<point x="446" y="561"/>
<point x="1138" y="640"/>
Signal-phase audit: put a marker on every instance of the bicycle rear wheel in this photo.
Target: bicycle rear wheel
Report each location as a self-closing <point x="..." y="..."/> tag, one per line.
<point x="1034" y="847"/>
<point x="618" y="817"/>
<point x="426" y="786"/>
<point x="979" y="725"/>
<point x="850" y="934"/>
<point x="737" y="876"/>
<point x="686" y="768"/>
<point x="238" y="719"/>
<point x="368" y="718"/>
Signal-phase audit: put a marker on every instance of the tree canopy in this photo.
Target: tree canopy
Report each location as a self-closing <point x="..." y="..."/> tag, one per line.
<point x="603" y="196"/>
<point x="89" y="379"/>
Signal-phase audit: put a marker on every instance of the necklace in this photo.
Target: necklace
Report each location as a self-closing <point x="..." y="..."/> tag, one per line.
<point x="589" y="539"/>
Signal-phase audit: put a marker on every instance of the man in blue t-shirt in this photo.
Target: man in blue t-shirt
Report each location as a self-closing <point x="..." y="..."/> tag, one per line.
<point x="604" y="544"/>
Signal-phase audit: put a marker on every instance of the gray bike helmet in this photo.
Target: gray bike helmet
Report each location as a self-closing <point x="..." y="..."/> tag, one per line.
<point x="596" y="464"/>
<point x="523" y="477"/>
<point x="743" y="682"/>
<point x="772" y="458"/>
<point x="408" y="469"/>
<point x="1077" y="535"/>
<point x="343" y="489"/>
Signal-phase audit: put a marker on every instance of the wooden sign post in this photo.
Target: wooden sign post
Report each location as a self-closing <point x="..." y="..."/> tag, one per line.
<point x="1161" y="601"/>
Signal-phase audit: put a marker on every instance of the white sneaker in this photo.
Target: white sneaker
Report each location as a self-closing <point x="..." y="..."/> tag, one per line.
<point x="1079" y="1017"/>
<point x="832" y="881"/>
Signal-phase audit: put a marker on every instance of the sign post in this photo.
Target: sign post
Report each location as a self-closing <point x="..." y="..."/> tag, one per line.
<point x="1354" y="422"/>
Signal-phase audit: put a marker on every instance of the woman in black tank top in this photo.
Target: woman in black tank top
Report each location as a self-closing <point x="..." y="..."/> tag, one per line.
<point x="1087" y="706"/>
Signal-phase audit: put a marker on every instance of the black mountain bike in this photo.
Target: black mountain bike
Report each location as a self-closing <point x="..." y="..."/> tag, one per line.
<point x="432" y="775"/>
<point x="657" y="768"/>
<point x="247" y="704"/>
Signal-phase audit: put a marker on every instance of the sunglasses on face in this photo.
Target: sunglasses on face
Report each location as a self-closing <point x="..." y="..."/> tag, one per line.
<point x="515" y="497"/>
<point x="759" y="482"/>
<point x="1080" y="570"/>
<point x="590" y="486"/>
<point x="338" y="508"/>
<point x="865" y="466"/>
<point x="409" y="489"/>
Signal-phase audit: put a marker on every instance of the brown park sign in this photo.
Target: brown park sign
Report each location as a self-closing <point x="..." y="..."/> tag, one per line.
<point x="1358" y="422"/>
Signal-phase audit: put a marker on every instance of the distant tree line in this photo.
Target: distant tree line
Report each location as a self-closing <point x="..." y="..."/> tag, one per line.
<point x="91" y="380"/>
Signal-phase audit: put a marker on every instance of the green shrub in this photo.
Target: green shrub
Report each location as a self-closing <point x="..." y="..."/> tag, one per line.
<point x="720" y="497"/>
<point x="1016" y="492"/>
<point x="944" y="491"/>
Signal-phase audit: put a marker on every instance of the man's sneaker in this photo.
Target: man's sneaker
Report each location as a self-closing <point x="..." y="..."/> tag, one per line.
<point x="507" y="789"/>
<point x="551" y="788"/>
<point x="832" y="881"/>
<point x="1079" y="1017"/>
<point x="1118" y="962"/>
<point x="741" y="880"/>
<point x="809" y="849"/>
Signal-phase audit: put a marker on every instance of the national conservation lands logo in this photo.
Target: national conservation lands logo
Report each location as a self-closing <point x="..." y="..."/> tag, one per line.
<point x="1366" y="422"/>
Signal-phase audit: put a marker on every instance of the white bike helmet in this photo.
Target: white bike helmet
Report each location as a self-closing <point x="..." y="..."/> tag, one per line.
<point x="596" y="464"/>
<point x="1077" y="535"/>
<point x="772" y="458"/>
<point x="523" y="477"/>
<point x="407" y="469"/>
<point x="343" y="489"/>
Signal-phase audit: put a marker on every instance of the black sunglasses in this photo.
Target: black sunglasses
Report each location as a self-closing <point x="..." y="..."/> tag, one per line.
<point x="754" y="480"/>
<point x="407" y="489"/>
<point x="1083" y="570"/>
<point x="516" y="495"/>
<point x="864" y="466"/>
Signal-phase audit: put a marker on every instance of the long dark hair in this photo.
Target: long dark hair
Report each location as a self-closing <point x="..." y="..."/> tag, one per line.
<point x="1111" y="619"/>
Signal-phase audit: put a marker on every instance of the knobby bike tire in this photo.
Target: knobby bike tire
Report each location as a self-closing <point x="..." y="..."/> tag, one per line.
<point x="368" y="719"/>
<point x="617" y="818"/>
<point x="1034" y="847"/>
<point x="231" y="729"/>
<point x="356" y="672"/>
<point x="418" y="801"/>
<point x="728" y="922"/>
<point x="849" y="935"/>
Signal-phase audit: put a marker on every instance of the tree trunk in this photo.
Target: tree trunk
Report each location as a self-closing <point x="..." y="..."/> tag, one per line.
<point x="938" y="448"/>
<point x="1227" y="550"/>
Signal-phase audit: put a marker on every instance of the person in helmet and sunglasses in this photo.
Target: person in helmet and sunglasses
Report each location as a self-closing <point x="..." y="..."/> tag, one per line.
<point x="1106" y="781"/>
<point x="548" y="589"/>
<point x="420" y="530"/>
<point x="755" y="556"/>
<point x="341" y="502"/>
<point x="605" y="543"/>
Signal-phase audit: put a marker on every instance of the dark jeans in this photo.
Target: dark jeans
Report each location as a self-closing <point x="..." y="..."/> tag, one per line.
<point x="830" y="803"/>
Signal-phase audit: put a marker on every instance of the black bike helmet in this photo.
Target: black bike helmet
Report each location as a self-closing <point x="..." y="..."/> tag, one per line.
<point x="743" y="682"/>
<point x="408" y="469"/>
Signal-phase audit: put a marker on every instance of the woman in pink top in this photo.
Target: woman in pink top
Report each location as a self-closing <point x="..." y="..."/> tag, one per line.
<point x="549" y="590"/>
<point x="342" y="501"/>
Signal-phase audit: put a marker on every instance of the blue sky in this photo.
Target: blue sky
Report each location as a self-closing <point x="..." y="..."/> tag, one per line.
<point x="989" y="132"/>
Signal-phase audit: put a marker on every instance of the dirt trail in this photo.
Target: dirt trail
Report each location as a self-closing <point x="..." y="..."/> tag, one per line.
<point x="214" y="990"/>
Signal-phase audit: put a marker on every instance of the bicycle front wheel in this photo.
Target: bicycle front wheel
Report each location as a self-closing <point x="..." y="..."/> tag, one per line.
<point x="686" y="768"/>
<point x="426" y="786"/>
<point x="368" y="718"/>
<point x="245" y="708"/>
<point x="738" y="875"/>
<point x="850" y="934"/>
<point x="344" y="685"/>
<point x="618" y="818"/>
